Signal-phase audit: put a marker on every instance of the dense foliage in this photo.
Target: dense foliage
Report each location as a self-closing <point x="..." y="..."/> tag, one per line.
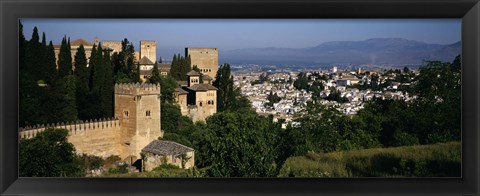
<point x="81" y="90"/>
<point x="49" y="154"/>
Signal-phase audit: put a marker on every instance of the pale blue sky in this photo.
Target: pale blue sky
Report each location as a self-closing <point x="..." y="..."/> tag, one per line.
<point x="228" y="34"/>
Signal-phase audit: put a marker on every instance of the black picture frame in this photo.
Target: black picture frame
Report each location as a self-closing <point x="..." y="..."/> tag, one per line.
<point x="467" y="10"/>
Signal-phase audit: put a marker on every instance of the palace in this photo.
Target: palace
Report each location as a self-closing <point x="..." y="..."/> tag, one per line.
<point x="134" y="133"/>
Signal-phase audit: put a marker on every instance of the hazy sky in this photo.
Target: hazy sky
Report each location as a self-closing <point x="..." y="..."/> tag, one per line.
<point x="228" y="34"/>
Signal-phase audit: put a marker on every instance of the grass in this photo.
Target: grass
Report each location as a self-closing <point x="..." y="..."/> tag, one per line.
<point x="436" y="160"/>
<point x="165" y="170"/>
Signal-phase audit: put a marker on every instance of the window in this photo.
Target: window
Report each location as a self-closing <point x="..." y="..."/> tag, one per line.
<point x="147" y="113"/>
<point x="200" y="103"/>
<point x="125" y="113"/>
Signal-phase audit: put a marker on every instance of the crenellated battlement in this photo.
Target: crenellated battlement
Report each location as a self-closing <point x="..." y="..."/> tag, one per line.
<point x="72" y="127"/>
<point x="137" y="89"/>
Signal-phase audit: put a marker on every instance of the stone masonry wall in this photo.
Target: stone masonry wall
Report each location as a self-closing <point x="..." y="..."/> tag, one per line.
<point x="95" y="137"/>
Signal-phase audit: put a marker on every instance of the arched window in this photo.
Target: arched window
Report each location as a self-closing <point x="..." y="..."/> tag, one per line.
<point x="200" y="104"/>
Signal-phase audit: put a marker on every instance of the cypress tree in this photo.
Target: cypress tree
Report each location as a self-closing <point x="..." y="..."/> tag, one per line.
<point x="51" y="66"/>
<point x="98" y="71"/>
<point x="82" y="81"/>
<point x="107" y="88"/>
<point x="91" y="64"/>
<point x="226" y="92"/>
<point x="64" y="59"/>
<point x="33" y="56"/>
<point x="30" y="105"/>
<point x="65" y="108"/>
<point x="155" y="78"/>
<point x="137" y="74"/>
<point x="174" y="70"/>
<point x="183" y="69"/>
<point x="21" y="47"/>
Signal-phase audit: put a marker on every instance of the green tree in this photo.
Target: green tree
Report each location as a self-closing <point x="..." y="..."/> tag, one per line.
<point x="21" y="47"/>
<point x="33" y="56"/>
<point x="124" y="68"/>
<point x="49" y="154"/>
<point x="301" y="82"/>
<point x="155" y="78"/>
<point x="175" y="68"/>
<point x="51" y="65"/>
<point x="64" y="97"/>
<point x="107" y="87"/>
<point x="228" y="97"/>
<point x="272" y="98"/>
<point x="168" y="85"/>
<point x="30" y="105"/>
<point x="82" y="80"/>
<point x="64" y="58"/>
<point x="238" y="144"/>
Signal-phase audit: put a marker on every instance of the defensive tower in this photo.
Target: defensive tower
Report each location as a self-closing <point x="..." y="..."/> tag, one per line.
<point x="137" y="106"/>
<point x="148" y="48"/>
<point x="206" y="59"/>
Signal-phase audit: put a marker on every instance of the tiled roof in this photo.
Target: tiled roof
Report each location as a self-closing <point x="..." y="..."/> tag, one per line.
<point x="207" y="77"/>
<point x="163" y="147"/>
<point x="193" y="73"/>
<point x="164" y="67"/>
<point x="145" y="61"/>
<point x="180" y="91"/>
<point x="183" y="83"/>
<point x="202" y="87"/>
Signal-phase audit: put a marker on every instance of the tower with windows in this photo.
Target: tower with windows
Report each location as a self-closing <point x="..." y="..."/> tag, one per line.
<point x="137" y="106"/>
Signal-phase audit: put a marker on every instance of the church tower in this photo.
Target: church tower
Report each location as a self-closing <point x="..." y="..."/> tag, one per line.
<point x="137" y="106"/>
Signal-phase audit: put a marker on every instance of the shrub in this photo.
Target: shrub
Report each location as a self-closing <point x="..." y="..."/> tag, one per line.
<point x="437" y="160"/>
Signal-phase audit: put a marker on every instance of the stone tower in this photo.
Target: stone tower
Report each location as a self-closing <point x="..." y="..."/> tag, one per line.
<point x="148" y="49"/>
<point x="206" y="59"/>
<point x="137" y="106"/>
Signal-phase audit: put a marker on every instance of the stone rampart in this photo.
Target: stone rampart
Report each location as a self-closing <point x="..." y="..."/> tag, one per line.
<point x="137" y="89"/>
<point x="93" y="137"/>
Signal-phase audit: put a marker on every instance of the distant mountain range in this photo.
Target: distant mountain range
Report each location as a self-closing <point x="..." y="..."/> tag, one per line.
<point x="378" y="51"/>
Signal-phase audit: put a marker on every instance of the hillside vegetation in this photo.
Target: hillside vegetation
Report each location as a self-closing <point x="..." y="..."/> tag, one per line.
<point x="436" y="160"/>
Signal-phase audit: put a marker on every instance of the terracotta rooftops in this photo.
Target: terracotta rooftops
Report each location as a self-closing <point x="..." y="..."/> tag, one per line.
<point x="202" y="87"/>
<point x="163" y="147"/>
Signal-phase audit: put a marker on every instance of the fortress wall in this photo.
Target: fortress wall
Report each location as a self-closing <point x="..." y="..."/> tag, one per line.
<point x="116" y="46"/>
<point x="94" y="137"/>
<point x="206" y="59"/>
